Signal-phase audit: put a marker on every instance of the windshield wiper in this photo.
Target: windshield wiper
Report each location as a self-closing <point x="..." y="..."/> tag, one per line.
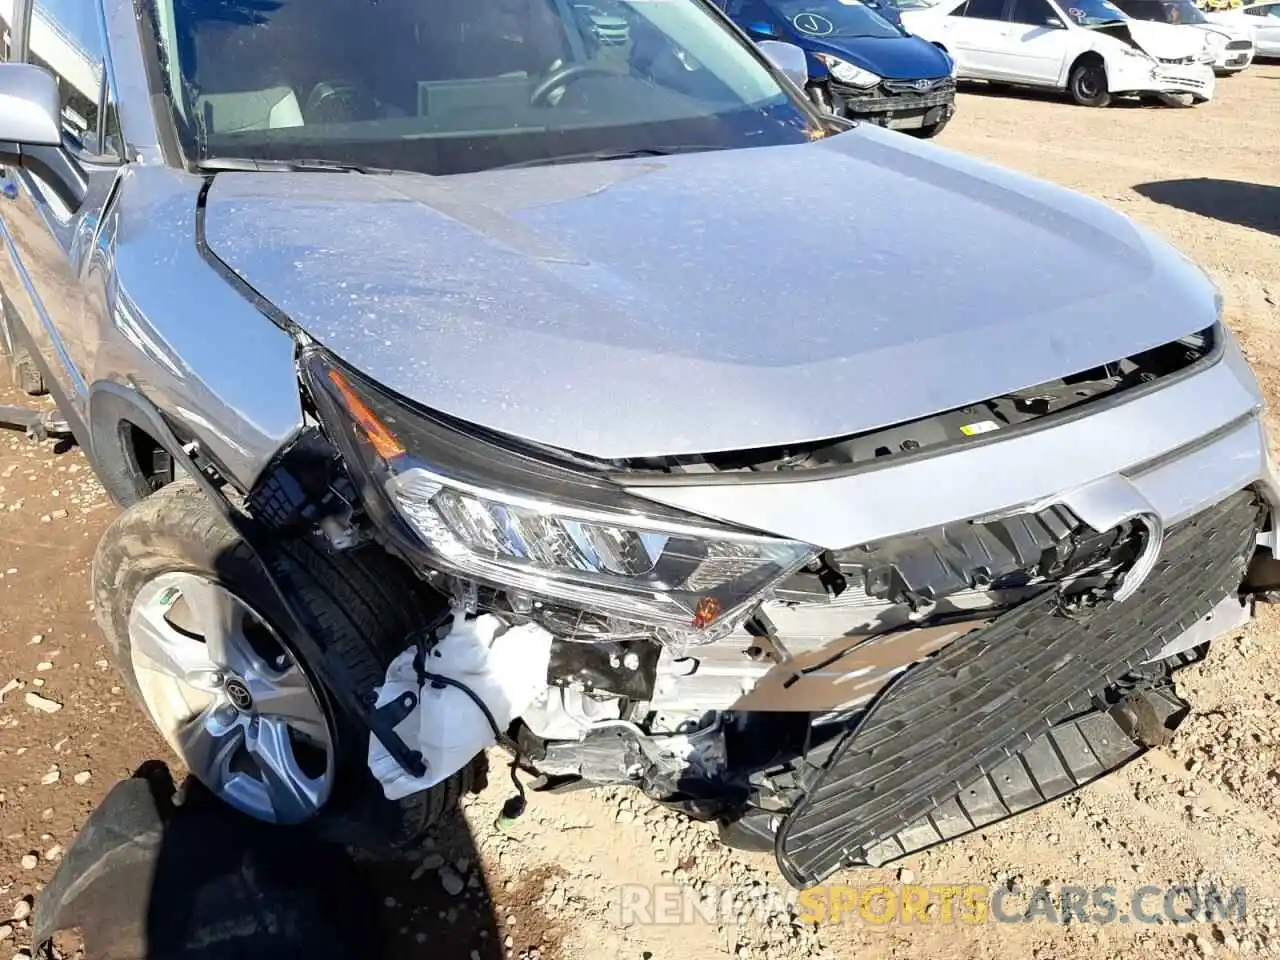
<point x="601" y="155"/>
<point x="1105" y="23"/>
<point x="302" y="165"/>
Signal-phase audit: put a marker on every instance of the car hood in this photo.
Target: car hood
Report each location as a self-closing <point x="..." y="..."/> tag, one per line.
<point x="894" y="58"/>
<point x="1232" y="31"/>
<point x="706" y="302"/>
<point x="1164" y="41"/>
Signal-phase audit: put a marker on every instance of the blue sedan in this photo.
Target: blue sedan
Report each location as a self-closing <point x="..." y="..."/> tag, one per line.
<point x="862" y="62"/>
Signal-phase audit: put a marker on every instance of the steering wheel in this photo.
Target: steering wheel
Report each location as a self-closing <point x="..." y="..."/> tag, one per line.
<point x="564" y="76"/>
<point x="338" y="101"/>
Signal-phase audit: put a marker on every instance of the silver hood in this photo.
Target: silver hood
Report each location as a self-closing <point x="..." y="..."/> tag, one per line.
<point x="707" y="302"/>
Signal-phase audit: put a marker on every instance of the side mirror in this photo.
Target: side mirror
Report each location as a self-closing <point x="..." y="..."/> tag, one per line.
<point x="761" y="29"/>
<point x="789" y="59"/>
<point x="30" y="111"/>
<point x="31" y="130"/>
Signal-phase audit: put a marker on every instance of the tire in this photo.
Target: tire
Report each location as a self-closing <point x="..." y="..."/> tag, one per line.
<point x="357" y="595"/>
<point x="1088" y="84"/>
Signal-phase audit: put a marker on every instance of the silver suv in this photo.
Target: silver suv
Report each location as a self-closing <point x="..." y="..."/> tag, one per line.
<point x="460" y="388"/>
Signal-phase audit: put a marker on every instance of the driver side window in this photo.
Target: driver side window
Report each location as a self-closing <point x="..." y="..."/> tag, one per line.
<point x="65" y="38"/>
<point x="1036" y="13"/>
<point x="982" y="10"/>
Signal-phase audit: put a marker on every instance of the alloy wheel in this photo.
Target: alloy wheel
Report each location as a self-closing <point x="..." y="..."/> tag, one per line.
<point x="230" y="698"/>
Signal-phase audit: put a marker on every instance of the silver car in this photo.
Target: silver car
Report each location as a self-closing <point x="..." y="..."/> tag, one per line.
<point x="461" y="389"/>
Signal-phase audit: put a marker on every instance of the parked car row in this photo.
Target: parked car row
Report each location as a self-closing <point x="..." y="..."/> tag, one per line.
<point x="896" y="62"/>
<point x="1262" y="20"/>
<point x="862" y="63"/>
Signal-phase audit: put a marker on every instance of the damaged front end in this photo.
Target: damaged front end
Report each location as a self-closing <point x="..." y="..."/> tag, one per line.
<point x="821" y="696"/>
<point x="1162" y="59"/>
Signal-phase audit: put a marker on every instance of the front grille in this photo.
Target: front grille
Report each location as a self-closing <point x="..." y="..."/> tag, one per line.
<point x="937" y="85"/>
<point x="951" y="719"/>
<point x="898" y="96"/>
<point x="1240" y="45"/>
<point x="899" y="103"/>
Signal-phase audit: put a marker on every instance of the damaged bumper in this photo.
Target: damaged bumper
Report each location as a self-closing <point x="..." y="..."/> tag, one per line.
<point x="1135" y="75"/>
<point x="960" y="714"/>
<point x="974" y="597"/>
<point x="987" y="700"/>
<point x="901" y="104"/>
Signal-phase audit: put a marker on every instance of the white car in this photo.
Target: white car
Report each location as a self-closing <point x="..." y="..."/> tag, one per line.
<point x="1233" y="40"/>
<point x="1263" y="19"/>
<point x="1090" y="48"/>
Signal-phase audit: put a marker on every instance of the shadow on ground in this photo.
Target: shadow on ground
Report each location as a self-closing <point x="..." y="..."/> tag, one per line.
<point x="147" y="879"/>
<point x="1006" y="91"/>
<point x="1255" y="205"/>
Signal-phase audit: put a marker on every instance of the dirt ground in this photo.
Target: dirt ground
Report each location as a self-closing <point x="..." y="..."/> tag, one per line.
<point x="553" y="885"/>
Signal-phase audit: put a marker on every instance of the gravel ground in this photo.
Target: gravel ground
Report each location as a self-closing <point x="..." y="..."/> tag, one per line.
<point x="1206" y="809"/>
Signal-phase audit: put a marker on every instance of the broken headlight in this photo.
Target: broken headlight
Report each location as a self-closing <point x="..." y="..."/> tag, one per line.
<point x="517" y="520"/>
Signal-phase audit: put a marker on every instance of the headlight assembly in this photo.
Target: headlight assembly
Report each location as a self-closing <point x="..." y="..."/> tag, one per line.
<point x="846" y="72"/>
<point x="479" y="509"/>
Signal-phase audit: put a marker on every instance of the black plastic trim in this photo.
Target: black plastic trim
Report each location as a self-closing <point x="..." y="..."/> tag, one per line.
<point x="640" y="479"/>
<point x="242" y="286"/>
<point x="952" y="718"/>
<point x="161" y="106"/>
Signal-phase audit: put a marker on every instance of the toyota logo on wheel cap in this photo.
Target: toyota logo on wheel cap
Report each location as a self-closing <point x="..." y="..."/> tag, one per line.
<point x="239" y="695"/>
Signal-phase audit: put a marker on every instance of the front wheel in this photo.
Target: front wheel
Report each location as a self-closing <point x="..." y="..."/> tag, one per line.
<point x="203" y="642"/>
<point x="1088" y="84"/>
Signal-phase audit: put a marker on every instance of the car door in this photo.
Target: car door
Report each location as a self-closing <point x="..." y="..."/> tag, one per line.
<point x="48" y="230"/>
<point x="1265" y="20"/>
<point x="974" y="33"/>
<point x="1037" y="43"/>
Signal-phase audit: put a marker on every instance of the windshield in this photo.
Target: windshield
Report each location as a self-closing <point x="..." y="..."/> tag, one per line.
<point x="1168" y="11"/>
<point x="1094" y="13"/>
<point x="452" y="86"/>
<point x="833" y="18"/>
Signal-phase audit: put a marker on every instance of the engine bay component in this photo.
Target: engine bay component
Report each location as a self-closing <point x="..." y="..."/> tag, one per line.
<point x="621" y="668"/>
<point x="504" y="667"/>
<point x="664" y="767"/>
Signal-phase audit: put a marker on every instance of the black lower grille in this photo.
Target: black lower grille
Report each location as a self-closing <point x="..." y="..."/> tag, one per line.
<point x="899" y="103"/>
<point x="950" y="720"/>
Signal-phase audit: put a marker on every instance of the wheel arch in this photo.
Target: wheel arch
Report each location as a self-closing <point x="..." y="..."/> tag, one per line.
<point x="1086" y="56"/>
<point x="115" y="413"/>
